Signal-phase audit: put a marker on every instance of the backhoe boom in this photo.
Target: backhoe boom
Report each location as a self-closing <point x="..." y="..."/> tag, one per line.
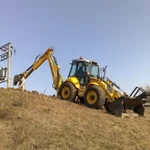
<point x="48" y="55"/>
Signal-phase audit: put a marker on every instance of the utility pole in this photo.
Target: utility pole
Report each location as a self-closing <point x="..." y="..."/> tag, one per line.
<point x="8" y="65"/>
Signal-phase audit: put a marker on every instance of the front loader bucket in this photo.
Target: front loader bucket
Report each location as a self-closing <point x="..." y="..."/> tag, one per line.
<point x="133" y="102"/>
<point x="120" y="105"/>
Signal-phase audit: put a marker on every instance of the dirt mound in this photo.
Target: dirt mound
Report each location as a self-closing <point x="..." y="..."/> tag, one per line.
<point x="31" y="121"/>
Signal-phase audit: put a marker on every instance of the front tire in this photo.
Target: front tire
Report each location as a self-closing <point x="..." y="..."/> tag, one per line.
<point x="67" y="92"/>
<point x="94" y="97"/>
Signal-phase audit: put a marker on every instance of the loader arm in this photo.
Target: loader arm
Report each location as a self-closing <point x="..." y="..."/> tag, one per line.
<point x="48" y="55"/>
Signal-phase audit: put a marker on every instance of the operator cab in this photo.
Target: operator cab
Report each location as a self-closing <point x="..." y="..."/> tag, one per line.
<point x="83" y="69"/>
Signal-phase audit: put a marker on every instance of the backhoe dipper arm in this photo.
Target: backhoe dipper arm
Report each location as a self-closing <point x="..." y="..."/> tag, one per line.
<point x="48" y="55"/>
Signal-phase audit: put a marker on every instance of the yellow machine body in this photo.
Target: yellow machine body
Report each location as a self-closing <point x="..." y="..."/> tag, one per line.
<point x="84" y="83"/>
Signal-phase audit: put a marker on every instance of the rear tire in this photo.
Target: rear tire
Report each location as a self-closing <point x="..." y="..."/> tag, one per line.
<point x="67" y="92"/>
<point x="94" y="97"/>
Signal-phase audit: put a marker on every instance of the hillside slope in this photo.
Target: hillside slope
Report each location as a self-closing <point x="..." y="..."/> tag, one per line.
<point x="32" y="121"/>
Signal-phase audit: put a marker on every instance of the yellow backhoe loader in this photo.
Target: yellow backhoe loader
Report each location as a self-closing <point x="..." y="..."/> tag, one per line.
<point x="85" y="84"/>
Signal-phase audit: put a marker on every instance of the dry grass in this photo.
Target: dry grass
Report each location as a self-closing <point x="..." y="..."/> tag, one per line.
<point x="30" y="121"/>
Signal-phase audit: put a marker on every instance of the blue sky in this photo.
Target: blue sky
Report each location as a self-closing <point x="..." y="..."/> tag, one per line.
<point x="113" y="32"/>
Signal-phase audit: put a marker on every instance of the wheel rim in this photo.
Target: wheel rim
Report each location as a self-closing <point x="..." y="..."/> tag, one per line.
<point x="65" y="92"/>
<point x="92" y="97"/>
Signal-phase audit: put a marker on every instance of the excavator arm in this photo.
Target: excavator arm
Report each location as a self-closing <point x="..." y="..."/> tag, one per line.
<point x="48" y="55"/>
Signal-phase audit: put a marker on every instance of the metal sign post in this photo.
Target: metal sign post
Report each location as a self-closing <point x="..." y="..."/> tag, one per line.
<point x="7" y="48"/>
<point x="8" y="65"/>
